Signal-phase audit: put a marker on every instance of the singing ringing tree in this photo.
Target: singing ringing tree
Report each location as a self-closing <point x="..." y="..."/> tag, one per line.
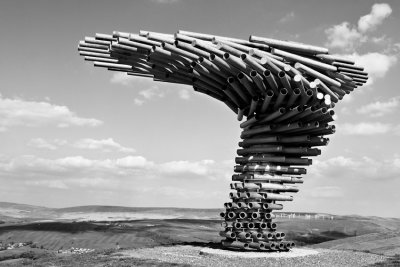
<point x="286" y="91"/>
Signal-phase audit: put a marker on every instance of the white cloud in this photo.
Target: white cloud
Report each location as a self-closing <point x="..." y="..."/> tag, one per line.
<point x="106" y="145"/>
<point x="327" y="192"/>
<point x="127" y="80"/>
<point x="48" y="183"/>
<point x="364" y="128"/>
<point x="130" y="180"/>
<point x="178" y="167"/>
<point x="287" y="18"/>
<point x="77" y="162"/>
<point x="344" y="36"/>
<point x="31" y="167"/>
<point x="396" y="130"/>
<point x="165" y="1"/>
<point x="378" y="13"/>
<point x="133" y="162"/>
<point x="138" y="102"/>
<point x="19" y="112"/>
<point x="380" y="40"/>
<point x="41" y="143"/>
<point x="152" y="92"/>
<point x="184" y="94"/>
<point x="376" y="64"/>
<point x="341" y="161"/>
<point x="348" y="37"/>
<point x="363" y="168"/>
<point x="378" y="109"/>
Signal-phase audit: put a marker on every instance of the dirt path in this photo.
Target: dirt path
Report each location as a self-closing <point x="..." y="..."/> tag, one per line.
<point x="193" y="256"/>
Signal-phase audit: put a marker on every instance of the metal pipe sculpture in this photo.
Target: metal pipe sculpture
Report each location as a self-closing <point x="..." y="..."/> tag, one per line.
<point x="286" y="91"/>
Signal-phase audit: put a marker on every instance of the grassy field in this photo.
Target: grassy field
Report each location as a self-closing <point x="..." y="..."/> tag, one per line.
<point x="366" y="234"/>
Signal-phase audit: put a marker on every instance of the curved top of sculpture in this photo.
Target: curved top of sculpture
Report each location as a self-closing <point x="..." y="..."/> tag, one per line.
<point x="261" y="79"/>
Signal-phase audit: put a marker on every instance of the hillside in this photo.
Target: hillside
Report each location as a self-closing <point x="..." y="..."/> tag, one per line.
<point x="102" y="227"/>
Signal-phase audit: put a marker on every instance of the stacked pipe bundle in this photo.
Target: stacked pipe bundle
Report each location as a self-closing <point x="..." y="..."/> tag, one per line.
<point x="286" y="90"/>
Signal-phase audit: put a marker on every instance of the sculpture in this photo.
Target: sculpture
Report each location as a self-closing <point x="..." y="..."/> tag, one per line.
<point x="286" y="91"/>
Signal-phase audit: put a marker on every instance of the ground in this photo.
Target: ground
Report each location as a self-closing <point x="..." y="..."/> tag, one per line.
<point x="118" y="236"/>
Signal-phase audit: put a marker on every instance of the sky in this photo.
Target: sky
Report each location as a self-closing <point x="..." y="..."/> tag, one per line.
<point x="72" y="134"/>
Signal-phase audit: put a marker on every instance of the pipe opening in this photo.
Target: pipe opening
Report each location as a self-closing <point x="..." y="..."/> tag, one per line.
<point x="270" y="93"/>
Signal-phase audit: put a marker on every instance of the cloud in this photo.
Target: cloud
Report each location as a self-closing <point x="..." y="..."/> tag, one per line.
<point x="48" y="183"/>
<point x="129" y="180"/>
<point x="363" y="168"/>
<point x="70" y="167"/>
<point x="344" y="36"/>
<point x="41" y="143"/>
<point x="138" y="101"/>
<point x="46" y="144"/>
<point x="126" y="80"/>
<point x="287" y="18"/>
<point x="375" y="63"/>
<point x="378" y="13"/>
<point x="179" y="167"/>
<point x="152" y="92"/>
<point x="184" y="94"/>
<point x="133" y="162"/>
<point x="149" y="94"/>
<point x="19" y="112"/>
<point x="378" y="109"/>
<point x="327" y="192"/>
<point x="348" y="37"/>
<point x="106" y="145"/>
<point x="396" y="130"/>
<point x="364" y="128"/>
<point x="341" y="161"/>
<point x="165" y="1"/>
<point x="157" y="92"/>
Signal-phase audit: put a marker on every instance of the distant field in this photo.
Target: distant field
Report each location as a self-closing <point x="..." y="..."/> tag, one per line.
<point x="103" y="227"/>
